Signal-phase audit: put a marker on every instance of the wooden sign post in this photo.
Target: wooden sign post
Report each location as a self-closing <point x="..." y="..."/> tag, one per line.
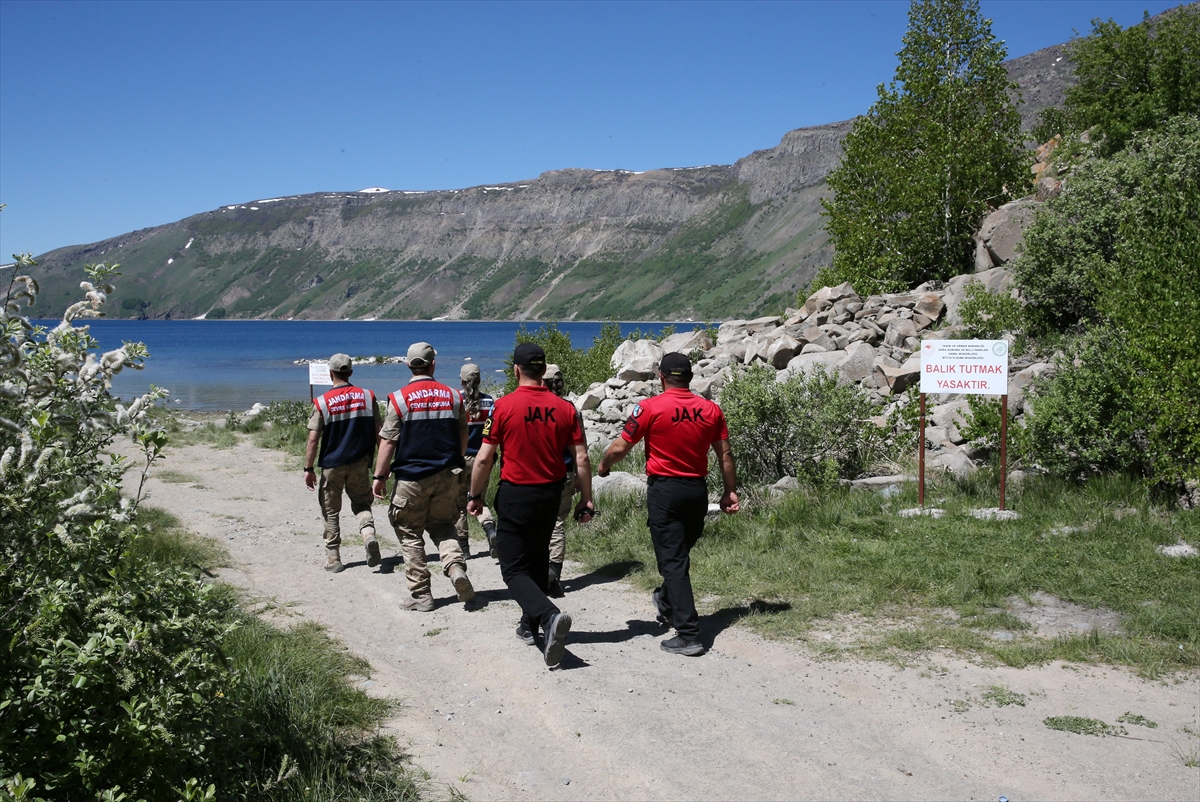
<point x="318" y="374"/>
<point x="969" y="367"/>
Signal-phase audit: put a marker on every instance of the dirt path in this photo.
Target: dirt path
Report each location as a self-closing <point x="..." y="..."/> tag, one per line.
<point x="753" y="719"/>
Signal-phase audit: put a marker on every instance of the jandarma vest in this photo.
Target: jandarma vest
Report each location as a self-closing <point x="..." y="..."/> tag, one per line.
<point x="348" y="413"/>
<point x="429" y="439"/>
<point x="475" y="424"/>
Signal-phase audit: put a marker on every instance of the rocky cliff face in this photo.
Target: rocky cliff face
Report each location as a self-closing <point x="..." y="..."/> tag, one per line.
<point x="707" y="242"/>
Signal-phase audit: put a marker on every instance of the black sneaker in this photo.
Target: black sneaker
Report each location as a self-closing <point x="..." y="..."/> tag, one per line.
<point x="664" y="612"/>
<point x="525" y="633"/>
<point x="677" y="645"/>
<point x="556" y="638"/>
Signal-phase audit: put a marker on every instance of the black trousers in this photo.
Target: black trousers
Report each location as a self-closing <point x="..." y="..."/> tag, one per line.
<point x="676" y="507"/>
<point x="526" y="516"/>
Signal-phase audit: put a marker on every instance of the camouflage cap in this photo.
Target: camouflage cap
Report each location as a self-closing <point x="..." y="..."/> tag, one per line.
<point x="552" y="372"/>
<point x="340" y="363"/>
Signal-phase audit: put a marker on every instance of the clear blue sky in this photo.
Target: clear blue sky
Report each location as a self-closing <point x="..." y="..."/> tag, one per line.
<point x="116" y="116"/>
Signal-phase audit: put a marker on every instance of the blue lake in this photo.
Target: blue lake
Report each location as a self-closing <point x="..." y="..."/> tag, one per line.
<point x="231" y="364"/>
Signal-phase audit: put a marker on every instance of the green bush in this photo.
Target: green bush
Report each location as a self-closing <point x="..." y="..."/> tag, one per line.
<point x="1081" y="420"/>
<point x="808" y="426"/>
<point x="1072" y="247"/>
<point x="124" y="675"/>
<point x="1117" y="253"/>
<point x="581" y="367"/>
<point x="216" y="313"/>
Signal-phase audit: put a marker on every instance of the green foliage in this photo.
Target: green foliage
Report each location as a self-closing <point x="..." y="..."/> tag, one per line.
<point x="1071" y="249"/>
<point x="809" y="426"/>
<point x="1130" y="80"/>
<point x="292" y="412"/>
<point x="988" y="315"/>
<point x="1118" y="252"/>
<point x="216" y="313"/>
<point x="124" y="675"/>
<point x="581" y="367"/>
<point x="1082" y="726"/>
<point x="981" y="423"/>
<point x="941" y="145"/>
<point x="1134" y="718"/>
<point x="1082" y="421"/>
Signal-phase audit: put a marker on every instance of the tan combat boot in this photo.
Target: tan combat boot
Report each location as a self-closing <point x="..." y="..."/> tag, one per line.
<point x="333" y="560"/>
<point x="420" y="604"/>
<point x="373" y="556"/>
<point x="458" y="575"/>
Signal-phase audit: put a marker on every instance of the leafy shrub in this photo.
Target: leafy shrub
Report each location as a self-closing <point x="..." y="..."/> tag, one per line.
<point x="581" y="367"/>
<point x="1081" y="421"/>
<point x="216" y="313"/>
<point x="1118" y="253"/>
<point x="287" y="413"/>
<point x="808" y="426"/>
<point x="111" y="667"/>
<point x="1072" y="247"/>
<point x="122" y="675"/>
<point x="988" y="315"/>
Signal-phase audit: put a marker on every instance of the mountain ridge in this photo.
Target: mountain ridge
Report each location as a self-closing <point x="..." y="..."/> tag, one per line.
<point x="672" y="243"/>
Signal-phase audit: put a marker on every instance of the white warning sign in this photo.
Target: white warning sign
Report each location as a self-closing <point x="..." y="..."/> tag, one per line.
<point x="974" y="367"/>
<point x="318" y="374"/>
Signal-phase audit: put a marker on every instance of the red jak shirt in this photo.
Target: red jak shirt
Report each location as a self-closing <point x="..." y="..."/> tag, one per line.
<point x="679" y="427"/>
<point x="533" y="426"/>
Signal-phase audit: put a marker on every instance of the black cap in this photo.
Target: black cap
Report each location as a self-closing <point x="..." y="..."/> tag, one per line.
<point x="529" y="355"/>
<point x="676" y="365"/>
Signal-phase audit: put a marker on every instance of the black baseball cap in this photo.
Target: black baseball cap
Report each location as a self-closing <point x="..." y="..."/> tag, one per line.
<point x="676" y="365"/>
<point x="529" y="355"/>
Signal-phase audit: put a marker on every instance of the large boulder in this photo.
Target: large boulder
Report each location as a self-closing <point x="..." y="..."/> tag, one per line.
<point x="858" y="364"/>
<point x="731" y="331"/>
<point x="806" y="363"/>
<point x="1003" y="230"/>
<point x="995" y="280"/>
<point x="763" y="324"/>
<point x="591" y="398"/>
<point x="826" y="297"/>
<point x="897" y="380"/>
<point x="618" y="483"/>
<point x="898" y="331"/>
<point x="637" y="360"/>
<point x="687" y="341"/>
<point x="778" y="351"/>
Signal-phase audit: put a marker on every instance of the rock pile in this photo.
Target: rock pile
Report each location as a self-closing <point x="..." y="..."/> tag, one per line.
<point x="870" y="342"/>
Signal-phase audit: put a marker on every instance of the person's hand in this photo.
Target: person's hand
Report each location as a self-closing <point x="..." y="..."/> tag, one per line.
<point x="585" y="511"/>
<point x="475" y="507"/>
<point x="729" y="503"/>
<point x="379" y="488"/>
<point x="310" y="480"/>
<point x="602" y="469"/>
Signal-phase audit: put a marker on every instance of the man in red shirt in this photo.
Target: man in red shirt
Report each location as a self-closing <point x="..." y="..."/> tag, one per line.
<point x="679" y="428"/>
<point x="531" y="426"/>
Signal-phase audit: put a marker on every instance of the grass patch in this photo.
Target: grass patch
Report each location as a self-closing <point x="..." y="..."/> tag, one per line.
<point x="1082" y="726"/>
<point x="295" y="726"/>
<point x="435" y="631"/>
<point x="175" y="477"/>
<point x="1003" y="697"/>
<point x="782" y="702"/>
<point x="1133" y="718"/>
<point x="785" y="564"/>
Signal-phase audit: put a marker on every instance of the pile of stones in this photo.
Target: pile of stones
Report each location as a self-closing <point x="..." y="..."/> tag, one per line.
<point x="871" y="342"/>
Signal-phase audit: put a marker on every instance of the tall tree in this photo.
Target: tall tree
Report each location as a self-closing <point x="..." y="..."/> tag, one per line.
<point x="941" y="145"/>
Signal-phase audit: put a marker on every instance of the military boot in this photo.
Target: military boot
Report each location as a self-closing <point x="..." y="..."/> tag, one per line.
<point x="464" y="544"/>
<point x="489" y="529"/>
<point x="333" y="560"/>
<point x="373" y="556"/>
<point x="462" y="584"/>
<point x="553" y="586"/>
